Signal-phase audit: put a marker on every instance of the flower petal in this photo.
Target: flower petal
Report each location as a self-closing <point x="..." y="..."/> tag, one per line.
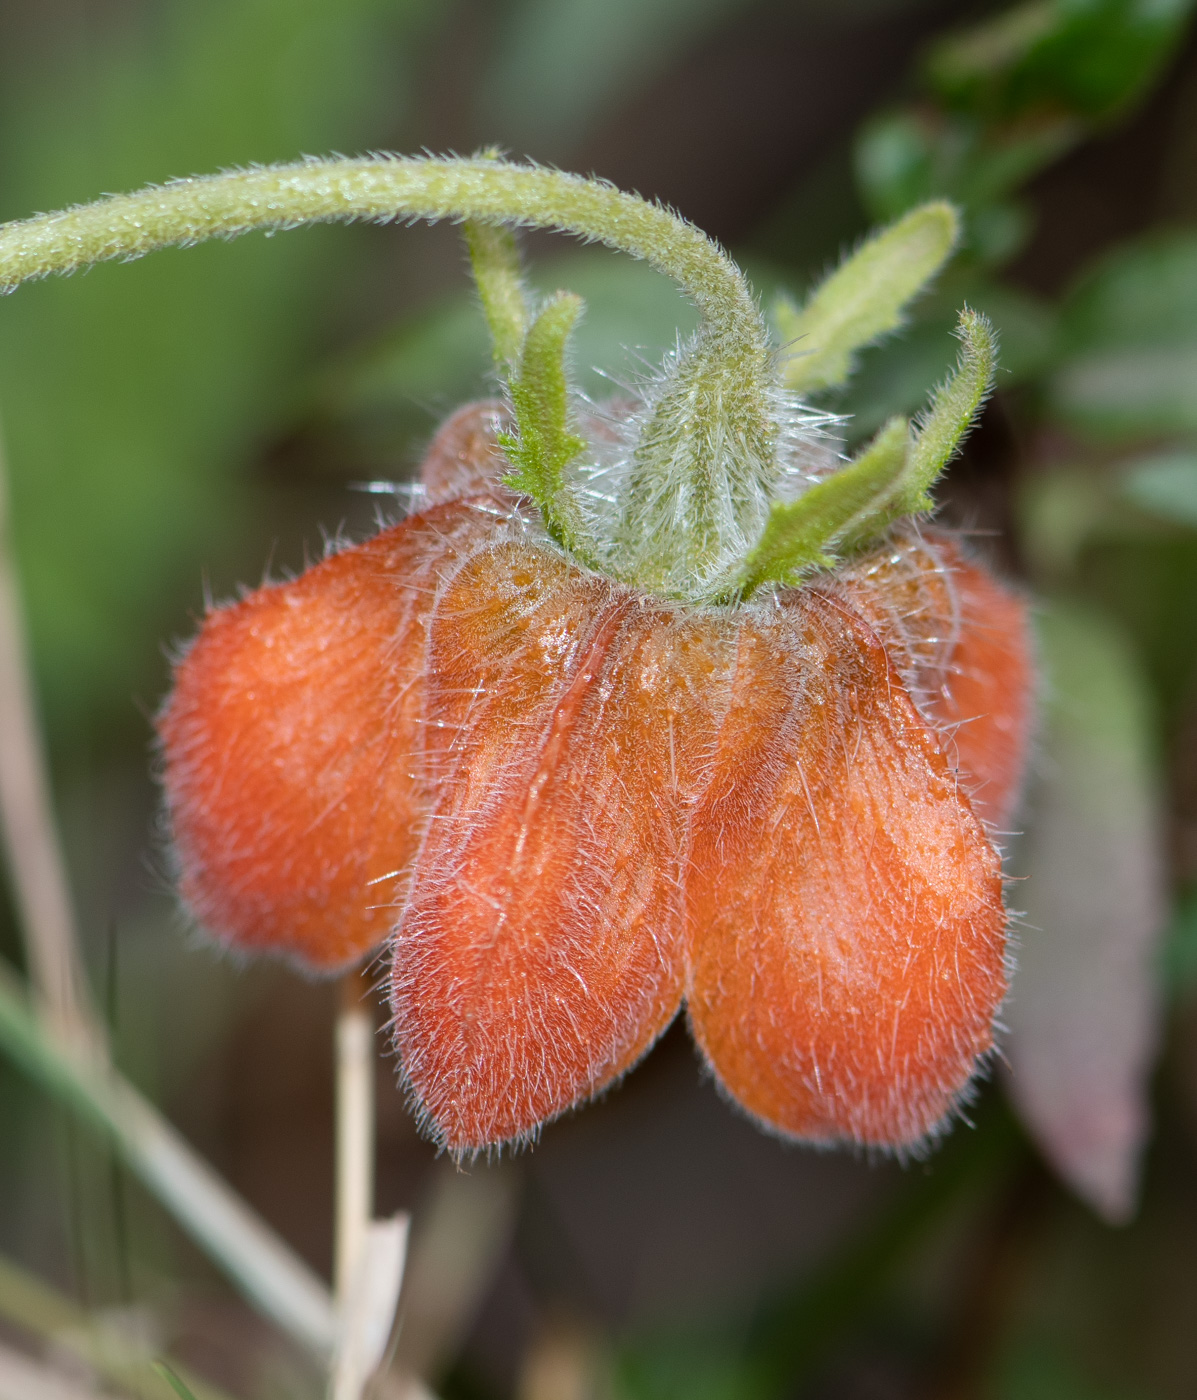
<point x="294" y="799"/>
<point x="845" y="906"/>
<point x="961" y="643"/>
<point x="465" y="457"/>
<point x="540" y="952"/>
<point x="987" y="701"/>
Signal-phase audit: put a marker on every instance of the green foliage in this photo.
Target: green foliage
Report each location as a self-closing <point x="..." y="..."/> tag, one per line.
<point x="852" y="504"/>
<point x="953" y="407"/>
<point x="543" y="445"/>
<point x="1014" y="93"/>
<point x="905" y="158"/>
<point x="865" y="298"/>
<point x="1091" y="57"/>
<point x="1129" y="330"/>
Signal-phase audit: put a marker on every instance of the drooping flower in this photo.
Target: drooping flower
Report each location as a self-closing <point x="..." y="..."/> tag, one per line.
<point x="668" y="704"/>
<point x="573" y="806"/>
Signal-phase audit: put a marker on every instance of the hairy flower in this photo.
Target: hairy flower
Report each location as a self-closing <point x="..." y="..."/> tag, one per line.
<point x="671" y="704"/>
<point x="574" y="806"/>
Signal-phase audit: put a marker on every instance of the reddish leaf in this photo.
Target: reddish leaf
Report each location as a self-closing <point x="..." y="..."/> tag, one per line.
<point x="1083" y="1010"/>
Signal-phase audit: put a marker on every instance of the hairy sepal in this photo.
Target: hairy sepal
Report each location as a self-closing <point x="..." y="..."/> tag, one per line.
<point x="954" y="405"/>
<point x="704" y="466"/>
<point x="865" y="297"/>
<point x="802" y="535"/>
<point x="543" y="444"/>
<point x="891" y="479"/>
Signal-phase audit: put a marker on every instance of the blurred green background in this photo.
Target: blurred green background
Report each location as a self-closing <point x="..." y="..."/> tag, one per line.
<point x="193" y="423"/>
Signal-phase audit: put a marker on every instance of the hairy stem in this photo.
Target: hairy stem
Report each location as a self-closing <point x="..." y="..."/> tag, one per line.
<point x="705" y="466"/>
<point x="382" y="188"/>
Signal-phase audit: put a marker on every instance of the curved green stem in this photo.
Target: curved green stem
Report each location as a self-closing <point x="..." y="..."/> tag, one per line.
<point x="383" y="187"/>
<point x="707" y="440"/>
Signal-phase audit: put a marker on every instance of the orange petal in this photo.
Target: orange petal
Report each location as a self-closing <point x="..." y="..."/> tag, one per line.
<point x="540" y="952"/>
<point x="465" y="457"/>
<point x="961" y="642"/>
<point x="294" y="798"/>
<point x="845" y="905"/>
<point x="986" y="704"/>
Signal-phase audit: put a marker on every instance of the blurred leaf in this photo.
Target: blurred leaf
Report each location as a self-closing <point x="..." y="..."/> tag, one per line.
<point x="1164" y="485"/>
<point x="1179" y="952"/>
<point x="907" y="157"/>
<point x="560" y="63"/>
<point x="1016" y="92"/>
<point x="1142" y="294"/>
<point x="134" y="396"/>
<point x="1090" y="56"/>
<point x="1130" y="330"/>
<point x="1037" y="1370"/>
<point x="1065" y="509"/>
<point x="1147" y="580"/>
<point x="1128" y="394"/>
<point x="1059" y="512"/>
<point x="1084" y="1004"/>
<point x="865" y="298"/>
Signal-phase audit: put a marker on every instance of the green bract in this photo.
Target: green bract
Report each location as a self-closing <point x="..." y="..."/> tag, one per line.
<point x="719" y="479"/>
<point x="864" y="298"/>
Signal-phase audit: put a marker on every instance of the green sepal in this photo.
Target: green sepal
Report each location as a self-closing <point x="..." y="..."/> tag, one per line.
<point x="940" y="431"/>
<point x="864" y="298"/>
<point x="543" y="446"/>
<point x="495" y="262"/>
<point x="890" y="479"/>
<point x="803" y="535"/>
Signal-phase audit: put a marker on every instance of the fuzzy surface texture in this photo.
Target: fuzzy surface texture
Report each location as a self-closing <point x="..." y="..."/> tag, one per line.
<point x="569" y="808"/>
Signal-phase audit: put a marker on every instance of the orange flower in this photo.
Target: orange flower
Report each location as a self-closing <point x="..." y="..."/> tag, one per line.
<point x="573" y="806"/>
